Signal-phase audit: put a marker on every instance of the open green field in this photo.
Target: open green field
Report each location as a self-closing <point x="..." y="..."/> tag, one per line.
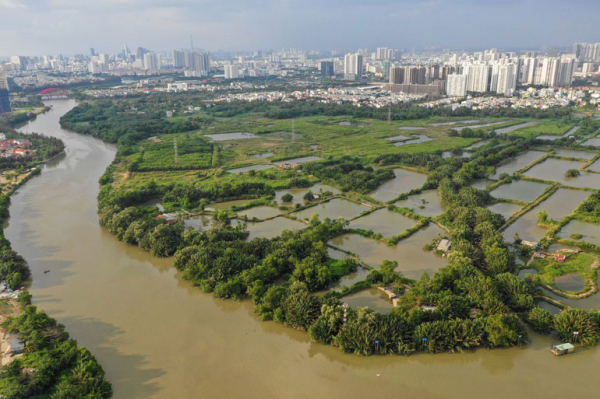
<point x="548" y="269"/>
<point x="194" y="152"/>
<point x="551" y="127"/>
<point x="326" y="136"/>
<point x="319" y="136"/>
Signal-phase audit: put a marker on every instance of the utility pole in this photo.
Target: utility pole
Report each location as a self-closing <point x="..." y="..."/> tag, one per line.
<point x="389" y="114"/>
<point x="176" y="152"/>
<point x="293" y="130"/>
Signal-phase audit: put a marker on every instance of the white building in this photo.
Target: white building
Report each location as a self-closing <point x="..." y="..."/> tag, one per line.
<point x="456" y="86"/>
<point x="152" y="61"/>
<point x="232" y="71"/>
<point x="477" y="78"/>
<point x="507" y="79"/>
<point x="353" y="66"/>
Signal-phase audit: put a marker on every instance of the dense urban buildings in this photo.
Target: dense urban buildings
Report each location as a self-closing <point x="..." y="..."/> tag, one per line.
<point x="436" y="73"/>
<point x="4" y="96"/>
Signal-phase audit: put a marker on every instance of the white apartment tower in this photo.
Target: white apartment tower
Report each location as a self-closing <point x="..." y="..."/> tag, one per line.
<point x="353" y="66"/>
<point x="456" y="86"/>
<point x="232" y="72"/>
<point x="478" y="75"/>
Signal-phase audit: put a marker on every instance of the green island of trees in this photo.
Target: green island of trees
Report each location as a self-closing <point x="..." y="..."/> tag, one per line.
<point x="476" y="300"/>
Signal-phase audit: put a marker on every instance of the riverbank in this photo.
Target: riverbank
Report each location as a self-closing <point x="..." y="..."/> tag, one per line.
<point x="29" y="338"/>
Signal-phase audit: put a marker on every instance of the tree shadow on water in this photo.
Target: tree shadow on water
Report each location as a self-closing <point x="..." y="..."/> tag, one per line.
<point x="129" y="373"/>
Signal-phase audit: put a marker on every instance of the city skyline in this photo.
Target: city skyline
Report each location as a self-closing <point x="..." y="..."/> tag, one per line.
<point x="32" y="27"/>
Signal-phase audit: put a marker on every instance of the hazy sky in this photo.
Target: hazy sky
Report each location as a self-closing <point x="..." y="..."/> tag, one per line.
<point x="34" y="27"/>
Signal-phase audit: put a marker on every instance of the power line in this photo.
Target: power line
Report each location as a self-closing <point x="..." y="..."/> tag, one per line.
<point x="176" y="151"/>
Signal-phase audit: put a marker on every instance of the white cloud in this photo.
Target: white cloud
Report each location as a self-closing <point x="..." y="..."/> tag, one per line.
<point x="10" y="4"/>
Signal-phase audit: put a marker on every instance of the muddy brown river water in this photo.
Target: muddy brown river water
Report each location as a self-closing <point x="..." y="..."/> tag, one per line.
<point x="157" y="337"/>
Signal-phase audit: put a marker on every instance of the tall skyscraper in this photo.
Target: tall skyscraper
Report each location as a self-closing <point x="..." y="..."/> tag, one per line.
<point x="4" y="97"/>
<point x="232" y="71"/>
<point x="477" y="78"/>
<point x="353" y="66"/>
<point x="507" y="79"/>
<point x="178" y="59"/>
<point x="397" y="75"/>
<point x="19" y="61"/>
<point x="141" y="52"/>
<point x="327" y="69"/>
<point x="198" y="62"/>
<point x="456" y="85"/>
<point x="586" y="51"/>
<point x="152" y="61"/>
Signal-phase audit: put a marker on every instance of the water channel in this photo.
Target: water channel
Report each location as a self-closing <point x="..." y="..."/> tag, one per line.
<point x="158" y="337"/>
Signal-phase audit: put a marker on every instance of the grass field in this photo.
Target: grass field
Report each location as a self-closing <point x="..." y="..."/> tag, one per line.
<point x="320" y="136"/>
<point x="548" y="269"/>
<point x="325" y="136"/>
<point x="194" y="152"/>
<point x="551" y="127"/>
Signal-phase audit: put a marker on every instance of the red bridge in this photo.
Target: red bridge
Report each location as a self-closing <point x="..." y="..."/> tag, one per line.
<point x="55" y="92"/>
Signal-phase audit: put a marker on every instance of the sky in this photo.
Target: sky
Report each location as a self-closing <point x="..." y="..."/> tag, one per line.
<point x="36" y="27"/>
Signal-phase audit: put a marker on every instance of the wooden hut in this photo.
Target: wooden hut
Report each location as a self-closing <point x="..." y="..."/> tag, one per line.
<point x="562" y="349"/>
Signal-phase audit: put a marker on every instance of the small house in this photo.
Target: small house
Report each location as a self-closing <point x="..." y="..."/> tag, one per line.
<point x="560" y="258"/>
<point x="531" y="244"/>
<point x="562" y="349"/>
<point x="444" y="245"/>
<point x="168" y="217"/>
<point x="429" y="308"/>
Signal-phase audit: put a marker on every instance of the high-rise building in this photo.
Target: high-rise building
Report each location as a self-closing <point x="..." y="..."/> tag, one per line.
<point x="232" y="71"/>
<point x="586" y="51"/>
<point x="506" y="79"/>
<point x="456" y="85"/>
<point x="139" y="54"/>
<point x="397" y="75"/>
<point x="566" y="68"/>
<point x="4" y="96"/>
<point x="381" y="53"/>
<point x="198" y="62"/>
<point x="327" y="69"/>
<point x="477" y="78"/>
<point x="152" y="61"/>
<point x="19" y="61"/>
<point x="178" y="59"/>
<point x="353" y="66"/>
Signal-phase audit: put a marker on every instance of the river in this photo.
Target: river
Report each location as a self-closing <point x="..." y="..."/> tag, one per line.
<point x="157" y="337"/>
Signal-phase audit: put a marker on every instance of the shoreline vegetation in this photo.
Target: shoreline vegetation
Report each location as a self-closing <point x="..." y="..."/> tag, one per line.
<point x="50" y="364"/>
<point x="475" y="301"/>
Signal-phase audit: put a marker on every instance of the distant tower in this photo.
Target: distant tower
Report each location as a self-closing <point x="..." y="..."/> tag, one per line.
<point x="192" y="43"/>
<point x="176" y="152"/>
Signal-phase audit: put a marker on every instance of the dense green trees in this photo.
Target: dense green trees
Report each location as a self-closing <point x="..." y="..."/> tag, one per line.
<point x="576" y="325"/>
<point x="540" y="320"/>
<point x="349" y="173"/>
<point x="58" y="367"/>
